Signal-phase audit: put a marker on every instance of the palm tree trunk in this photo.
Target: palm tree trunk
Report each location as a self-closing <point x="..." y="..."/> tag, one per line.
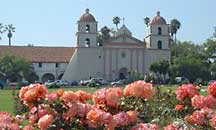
<point x="9" y="41"/>
<point x="175" y="39"/>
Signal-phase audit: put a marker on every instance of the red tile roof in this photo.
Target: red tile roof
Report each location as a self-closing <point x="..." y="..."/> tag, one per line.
<point x="39" y="54"/>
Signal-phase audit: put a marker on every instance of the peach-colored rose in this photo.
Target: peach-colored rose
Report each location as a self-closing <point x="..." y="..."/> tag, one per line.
<point x="83" y="96"/>
<point x="139" y="89"/>
<point x="69" y="96"/>
<point x="99" y="96"/>
<point x="93" y="115"/>
<point x="22" y="92"/>
<point x="147" y="91"/>
<point x="119" y="91"/>
<point x="132" y="115"/>
<point x="45" y="121"/>
<point x="32" y="93"/>
<point x="112" y="97"/>
<point x="59" y="92"/>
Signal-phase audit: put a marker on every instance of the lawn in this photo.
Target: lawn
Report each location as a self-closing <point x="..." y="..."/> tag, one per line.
<point x="6" y="98"/>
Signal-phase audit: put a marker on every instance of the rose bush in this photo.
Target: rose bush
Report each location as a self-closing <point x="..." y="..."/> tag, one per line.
<point x="139" y="106"/>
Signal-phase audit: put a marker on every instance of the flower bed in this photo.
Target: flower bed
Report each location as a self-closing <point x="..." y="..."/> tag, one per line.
<point x="140" y="106"/>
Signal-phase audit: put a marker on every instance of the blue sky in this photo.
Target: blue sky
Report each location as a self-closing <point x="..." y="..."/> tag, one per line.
<point x="53" y="22"/>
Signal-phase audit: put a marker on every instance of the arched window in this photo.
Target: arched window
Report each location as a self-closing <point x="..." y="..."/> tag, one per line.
<point x="159" y="31"/>
<point x="159" y="44"/>
<point x="87" y="28"/>
<point x="87" y="42"/>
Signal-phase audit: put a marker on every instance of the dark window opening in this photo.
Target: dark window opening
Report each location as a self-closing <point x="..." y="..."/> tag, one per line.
<point x="159" y="31"/>
<point x="39" y="64"/>
<point x="159" y="45"/>
<point x="87" y="42"/>
<point x="57" y="65"/>
<point x="87" y="28"/>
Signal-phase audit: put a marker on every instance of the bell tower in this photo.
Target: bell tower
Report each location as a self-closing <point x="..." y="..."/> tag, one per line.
<point x="87" y="30"/>
<point x="158" y="33"/>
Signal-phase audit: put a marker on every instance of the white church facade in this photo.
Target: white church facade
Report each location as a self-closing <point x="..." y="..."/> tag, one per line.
<point x="120" y="54"/>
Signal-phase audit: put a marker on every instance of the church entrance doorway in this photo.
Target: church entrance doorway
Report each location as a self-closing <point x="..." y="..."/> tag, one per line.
<point x="123" y="73"/>
<point x="47" y="77"/>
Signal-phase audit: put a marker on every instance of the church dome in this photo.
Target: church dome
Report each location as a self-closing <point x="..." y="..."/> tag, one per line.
<point x="158" y="20"/>
<point x="87" y="17"/>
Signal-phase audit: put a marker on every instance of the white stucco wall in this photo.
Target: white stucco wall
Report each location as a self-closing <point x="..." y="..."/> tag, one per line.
<point x="153" y="55"/>
<point x="49" y="68"/>
<point x="84" y="64"/>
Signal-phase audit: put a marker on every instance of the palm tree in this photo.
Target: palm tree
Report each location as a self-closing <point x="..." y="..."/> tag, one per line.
<point x="174" y="27"/>
<point x="10" y="29"/>
<point x="1" y="29"/>
<point x="147" y="20"/>
<point x="116" y="21"/>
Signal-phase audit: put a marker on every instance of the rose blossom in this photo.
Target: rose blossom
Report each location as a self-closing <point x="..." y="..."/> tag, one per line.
<point x="69" y="96"/>
<point x="145" y="126"/>
<point x="198" y="117"/>
<point x="99" y="96"/>
<point x="212" y="89"/>
<point x="122" y="119"/>
<point x="198" y="101"/>
<point x="132" y="115"/>
<point x="139" y="89"/>
<point x="171" y="127"/>
<point x="52" y="97"/>
<point x="210" y="102"/>
<point x="83" y="96"/>
<point x="179" y="107"/>
<point x="213" y="121"/>
<point x="45" y="121"/>
<point x="32" y="93"/>
<point x="112" y="97"/>
<point x="186" y="91"/>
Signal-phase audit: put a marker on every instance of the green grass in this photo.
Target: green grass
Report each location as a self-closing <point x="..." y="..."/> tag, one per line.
<point x="6" y="100"/>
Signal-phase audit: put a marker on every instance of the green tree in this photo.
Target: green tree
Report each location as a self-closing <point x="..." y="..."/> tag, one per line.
<point x="191" y="67"/>
<point x="209" y="48"/>
<point x="160" y="68"/>
<point x="184" y="48"/>
<point x="10" y="29"/>
<point x="116" y="21"/>
<point x="147" y="20"/>
<point x="174" y="27"/>
<point x="14" y="69"/>
<point x="103" y="35"/>
<point x="213" y="70"/>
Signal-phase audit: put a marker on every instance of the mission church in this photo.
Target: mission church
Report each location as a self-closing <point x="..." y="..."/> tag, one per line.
<point x="115" y="59"/>
<point x="118" y="55"/>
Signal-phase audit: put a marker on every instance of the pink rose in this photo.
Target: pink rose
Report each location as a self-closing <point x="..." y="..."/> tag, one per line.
<point x="45" y="121"/>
